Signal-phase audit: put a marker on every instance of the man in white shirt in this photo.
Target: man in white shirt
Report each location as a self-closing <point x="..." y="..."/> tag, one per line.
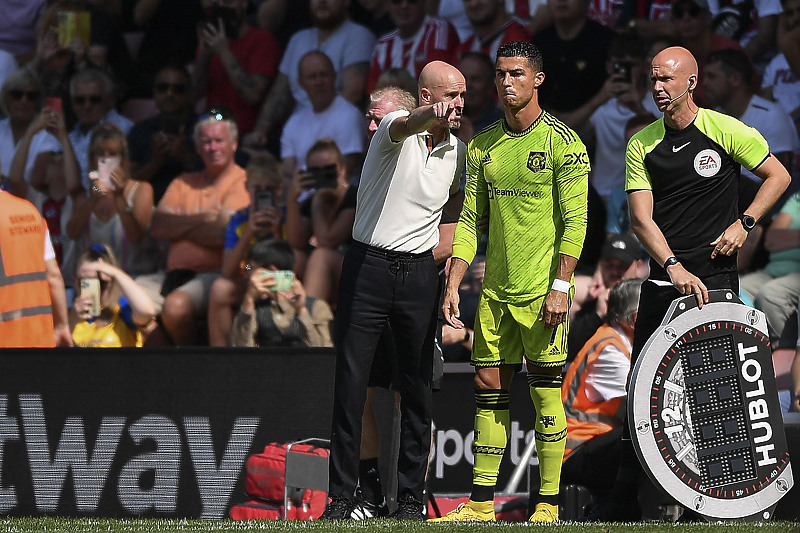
<point x="389" y="276"/>
<point x="780" y="82"/>
<point x="727" y="74"/>
<point x="329" y="115"/>
<point x="349" y="45"/>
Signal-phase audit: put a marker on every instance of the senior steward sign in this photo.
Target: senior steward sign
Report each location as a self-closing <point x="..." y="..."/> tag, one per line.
<point x="704" y="412"/>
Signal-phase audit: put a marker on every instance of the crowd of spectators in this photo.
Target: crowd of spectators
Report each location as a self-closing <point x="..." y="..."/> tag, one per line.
<point x="180" y="149"/>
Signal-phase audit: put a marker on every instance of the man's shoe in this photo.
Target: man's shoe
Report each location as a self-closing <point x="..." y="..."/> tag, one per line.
<point x="340" y="508"/>
<point x="371" y="510"/>
<point x="469" y="512"/>
<point x="544" y="513"/>
<point x="408" y="508"/>
<point x="613" y="511"/>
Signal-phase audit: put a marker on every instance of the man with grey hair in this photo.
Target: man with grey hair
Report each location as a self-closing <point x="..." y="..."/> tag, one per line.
<point x="192" y="216"/>
<point x="93" y="95"/>
<point x="594" y="394"/>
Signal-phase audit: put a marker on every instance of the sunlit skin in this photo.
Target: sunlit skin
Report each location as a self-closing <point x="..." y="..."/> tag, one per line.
<point x="444" y="83"/>
<point x="375" y="113"/>
<point x="215" y="146"/>
<point x="674" y="76"/>
<point x="517" y="82"/>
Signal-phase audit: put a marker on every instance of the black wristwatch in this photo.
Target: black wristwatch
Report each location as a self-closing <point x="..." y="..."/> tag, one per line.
<point x="672" y="260"/>
<point x="748" y="222"/>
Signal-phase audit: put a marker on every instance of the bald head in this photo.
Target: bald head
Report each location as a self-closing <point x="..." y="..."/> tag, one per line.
<point x="438" y="74"/>
<point x="442" y="82"/>
<point x="677" y="58"/>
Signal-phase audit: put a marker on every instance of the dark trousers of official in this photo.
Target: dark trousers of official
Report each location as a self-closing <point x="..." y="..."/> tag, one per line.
<point x="379" y="287"/>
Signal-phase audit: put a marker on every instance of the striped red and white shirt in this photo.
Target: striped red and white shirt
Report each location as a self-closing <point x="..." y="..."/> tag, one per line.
<point x="436" y="39"/>
<point x="513" y="30"/>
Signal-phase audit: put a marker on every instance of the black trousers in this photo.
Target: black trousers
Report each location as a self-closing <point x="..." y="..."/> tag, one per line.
<point x="379" y="287"/>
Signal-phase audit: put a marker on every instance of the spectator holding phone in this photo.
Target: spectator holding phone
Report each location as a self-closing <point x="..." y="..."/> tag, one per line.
<point x="276" y="311"/>
<point x="21" y="99"/>
<point x="55" y="184"/>
<point x="320" y="227"/>
<point x="261" y="220"/>
<point x="236" y="62"/>
<point x="161" y="146"/>
<point x="111" y="309"/>
<point x="93" y="95"/>
<point x="116" y="209"/>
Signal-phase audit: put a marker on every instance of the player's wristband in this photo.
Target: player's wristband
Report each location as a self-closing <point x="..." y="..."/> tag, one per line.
<point x="561" y="286"/>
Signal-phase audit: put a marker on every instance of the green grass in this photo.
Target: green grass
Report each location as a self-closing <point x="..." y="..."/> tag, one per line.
<point x="92" y="525"/>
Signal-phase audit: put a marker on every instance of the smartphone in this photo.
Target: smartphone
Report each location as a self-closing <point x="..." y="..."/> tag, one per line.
<point x="283" y="279"/>
<point x="105" y="166"/>
<point x="74" y="24"/>
<point x="91" y="286"/>
<point x="324" y="177"/>
<point x="228" y="16"/>
<point x="171" y="124"/>
<point x="623" y="69"/>
<point x="264" y="199"/>
<point x="54" y="103"/>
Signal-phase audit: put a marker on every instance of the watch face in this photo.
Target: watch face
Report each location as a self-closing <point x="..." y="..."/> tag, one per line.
<point x="748" y="222"/>
<point x="705" y="420"/>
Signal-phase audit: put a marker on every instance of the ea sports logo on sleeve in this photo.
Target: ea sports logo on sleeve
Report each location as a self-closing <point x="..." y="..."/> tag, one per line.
<point x="707" y="163"/>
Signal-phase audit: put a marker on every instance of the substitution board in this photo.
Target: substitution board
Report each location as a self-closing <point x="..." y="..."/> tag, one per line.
<point x="704" y="413"/>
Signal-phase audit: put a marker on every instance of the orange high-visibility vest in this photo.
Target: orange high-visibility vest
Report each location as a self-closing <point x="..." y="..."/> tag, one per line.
<point x="26" y="316"/>
<point x="586" y="419"/>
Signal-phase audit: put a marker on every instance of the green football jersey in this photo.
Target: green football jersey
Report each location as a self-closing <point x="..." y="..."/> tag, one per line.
<point x="534" y="184"/>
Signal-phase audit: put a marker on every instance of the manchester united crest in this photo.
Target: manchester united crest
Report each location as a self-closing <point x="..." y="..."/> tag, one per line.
<point x="536" y="161"/>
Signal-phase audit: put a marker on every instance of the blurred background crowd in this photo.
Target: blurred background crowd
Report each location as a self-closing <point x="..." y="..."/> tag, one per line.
<point x="201" y="158"/>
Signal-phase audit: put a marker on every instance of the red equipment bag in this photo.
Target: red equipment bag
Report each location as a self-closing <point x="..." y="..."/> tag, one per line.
<point x="264" y="480"/>
<point x="255" y="510"/>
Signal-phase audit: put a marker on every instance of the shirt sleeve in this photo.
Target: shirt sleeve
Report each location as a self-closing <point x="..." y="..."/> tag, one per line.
<point x="359" y="46"/>
<point x="636" y="176"/>
<point x="572" y="184"/>
<point x="607" y="375"/>
<point x="476" y="200"/>
<point x="49" y="251"/>
<point x="231" y="233"/>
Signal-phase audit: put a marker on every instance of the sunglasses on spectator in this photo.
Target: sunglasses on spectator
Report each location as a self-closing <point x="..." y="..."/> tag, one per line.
<point x="693" y="11"/>
<point x="216" y="113"/>
<point x="177" y="88"/>
<point x="18" y="94"/>
<point x="93" y="99"/>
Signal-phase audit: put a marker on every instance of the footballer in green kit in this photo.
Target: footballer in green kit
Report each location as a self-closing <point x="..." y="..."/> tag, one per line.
<point x="529" y="171"/>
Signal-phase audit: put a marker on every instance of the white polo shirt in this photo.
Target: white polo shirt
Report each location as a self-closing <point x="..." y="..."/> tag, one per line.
<point x="403" y="189"/>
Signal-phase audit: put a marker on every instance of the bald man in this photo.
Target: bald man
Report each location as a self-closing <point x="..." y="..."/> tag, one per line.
<point x="389" y="276"/>
<point x="682" y="183"/>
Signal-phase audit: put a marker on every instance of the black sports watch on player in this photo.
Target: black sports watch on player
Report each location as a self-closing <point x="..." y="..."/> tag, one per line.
<point x="671" y="260"/>
<point x="748" y="222"/>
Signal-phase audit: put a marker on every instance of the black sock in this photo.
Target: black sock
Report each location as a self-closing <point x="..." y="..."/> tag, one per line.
<point x="550" y="499"/>
<point x="482" y="493"/>
<point x="369" y="479"/>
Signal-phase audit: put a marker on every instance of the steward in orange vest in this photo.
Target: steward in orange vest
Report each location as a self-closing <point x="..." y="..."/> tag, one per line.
<point x="587" y="418"/>
<point x="594" y="395"/>
<point x="26" y="317"/>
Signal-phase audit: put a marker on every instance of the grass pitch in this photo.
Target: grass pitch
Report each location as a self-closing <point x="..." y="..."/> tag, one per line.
<point x="97" y="525"/>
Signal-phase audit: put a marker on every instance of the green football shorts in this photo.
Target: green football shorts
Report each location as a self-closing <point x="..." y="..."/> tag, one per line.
<point x="504" y="333"/>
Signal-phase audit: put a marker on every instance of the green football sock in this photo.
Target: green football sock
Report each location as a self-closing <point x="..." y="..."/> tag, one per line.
<point x="550" y="429"/>
<point x="492" y="426"/>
